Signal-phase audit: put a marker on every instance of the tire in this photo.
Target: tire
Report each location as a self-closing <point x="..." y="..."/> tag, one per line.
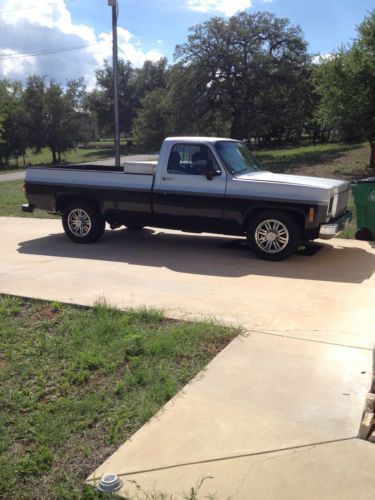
<point x="82" y="222"/>
<point x="363" y="234"/>
<point x="273" y="235"/>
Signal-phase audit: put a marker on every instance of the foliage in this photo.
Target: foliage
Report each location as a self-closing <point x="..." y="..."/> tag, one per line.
<point x="40" y="115"/>
<point x="75" y="383"/>
<point x="62" y="131"/>
<point x="34" y="98"/>
<point x="346" y="85"/>
<point x="248" y="77"/>
<point x="152" y="121"/>
<point x="252" y="69"/>
<point x="243" y="77"/>
<point x="13" y="129"/>
<point x="133" y="85"/>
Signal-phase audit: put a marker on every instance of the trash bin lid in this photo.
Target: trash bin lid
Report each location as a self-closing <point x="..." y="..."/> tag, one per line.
<point x="369" y="180"/>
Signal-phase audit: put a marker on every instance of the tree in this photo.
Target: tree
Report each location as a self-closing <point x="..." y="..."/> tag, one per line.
<point x="346" y="86"/>
<point x="100" y="100"/>
<point x="53" y="114"/>
<point x="152" y="75"/>
<point x="35" y="104"/>
<point x="250" y="69"/>
<point x="13" y="124"/>
<point x="151" y="124"/>
<point x="62" y="126"/>
<point x="133" y="84"/>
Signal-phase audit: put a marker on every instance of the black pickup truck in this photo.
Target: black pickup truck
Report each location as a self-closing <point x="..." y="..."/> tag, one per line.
<point x="199" y="184"/>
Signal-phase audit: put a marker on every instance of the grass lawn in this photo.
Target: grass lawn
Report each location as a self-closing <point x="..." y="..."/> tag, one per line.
<point x="340" y="161"/>
<point x="75" y="383"/>
<point x="11" y="199"/>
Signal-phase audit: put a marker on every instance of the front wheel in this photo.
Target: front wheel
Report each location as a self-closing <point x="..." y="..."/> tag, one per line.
<point x="83" y="222"/>
<point x="273" y="236"/>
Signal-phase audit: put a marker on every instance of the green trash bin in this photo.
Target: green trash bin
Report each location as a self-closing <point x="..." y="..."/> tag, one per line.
<point x="364" y="198"/>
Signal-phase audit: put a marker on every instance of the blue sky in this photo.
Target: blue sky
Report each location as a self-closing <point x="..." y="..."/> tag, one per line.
<point x="148" y="29"/>
<point x="326" y="23"/>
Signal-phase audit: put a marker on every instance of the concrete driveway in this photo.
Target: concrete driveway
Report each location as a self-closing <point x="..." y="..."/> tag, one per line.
<point x="277" y="413"/>
<point x="13" y="176"/>
<point x="198" y="275"/>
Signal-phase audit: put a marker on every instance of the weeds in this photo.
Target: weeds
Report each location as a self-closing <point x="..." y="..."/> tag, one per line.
<point x="75" y="383"/>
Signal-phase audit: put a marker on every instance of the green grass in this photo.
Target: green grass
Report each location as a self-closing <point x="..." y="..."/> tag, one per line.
<point x="342" y="161"/>
<point x="75" y="383"/>
<point x="350" y="231"/>
<point x="11" y="199"/>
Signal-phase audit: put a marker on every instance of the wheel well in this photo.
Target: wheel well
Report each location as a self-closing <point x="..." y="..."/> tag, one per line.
<point x="65" y="199"/>
<point x="298" y="217"/>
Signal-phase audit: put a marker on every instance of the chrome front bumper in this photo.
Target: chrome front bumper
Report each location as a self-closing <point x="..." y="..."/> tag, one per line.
<point x="328" y="231"/>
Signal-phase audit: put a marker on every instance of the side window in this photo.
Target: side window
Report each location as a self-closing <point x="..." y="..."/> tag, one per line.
<point x="191" y="159"/>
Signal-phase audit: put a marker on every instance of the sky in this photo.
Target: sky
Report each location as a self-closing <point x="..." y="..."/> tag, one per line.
<point x="33" y="32"/>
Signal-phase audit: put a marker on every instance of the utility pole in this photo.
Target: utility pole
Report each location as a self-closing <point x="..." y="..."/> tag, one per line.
<point x="114" y="5"/>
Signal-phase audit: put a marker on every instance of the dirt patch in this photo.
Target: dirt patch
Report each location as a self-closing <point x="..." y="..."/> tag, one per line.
<point x="44" y="314"/>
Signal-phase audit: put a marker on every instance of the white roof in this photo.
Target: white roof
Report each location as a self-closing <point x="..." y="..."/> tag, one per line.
<point x="198" y="139"/>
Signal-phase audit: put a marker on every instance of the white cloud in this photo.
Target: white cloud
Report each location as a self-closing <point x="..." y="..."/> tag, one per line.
<point x="13" y="66"/>
<point x="29" y="27"/>
<point x="320" y="58"/>
<point x="127" y="50"/>
<point x="226" y="7"/>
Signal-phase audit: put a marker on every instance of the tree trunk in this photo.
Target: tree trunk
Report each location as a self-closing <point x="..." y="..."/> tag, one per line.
<point x="372" y="153"/>
<point x="236" y="127"/>
<point x="54" y="157"/>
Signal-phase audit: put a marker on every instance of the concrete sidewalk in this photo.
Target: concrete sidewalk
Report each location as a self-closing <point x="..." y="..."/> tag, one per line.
<point x="267" y="407"/>
<point x="277" y="413"/>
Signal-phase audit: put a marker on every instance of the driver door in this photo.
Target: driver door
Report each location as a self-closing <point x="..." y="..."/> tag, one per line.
<point x="187" y="198"/>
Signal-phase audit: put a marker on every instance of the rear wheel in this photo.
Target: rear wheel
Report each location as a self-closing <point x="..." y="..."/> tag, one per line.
<point x="82" y="222"/>
<point x="273" y="236"/>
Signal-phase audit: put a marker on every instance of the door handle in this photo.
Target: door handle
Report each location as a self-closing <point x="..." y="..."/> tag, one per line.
<point x="167" y="178"/>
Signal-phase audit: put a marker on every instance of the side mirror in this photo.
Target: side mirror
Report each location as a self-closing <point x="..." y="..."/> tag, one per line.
<point x="209" y="171"/>
<point x="212" y="173"/>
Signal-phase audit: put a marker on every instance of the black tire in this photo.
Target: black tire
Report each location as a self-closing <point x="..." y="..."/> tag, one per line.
<point x="363" y="234"/>
<point x="273" y="235"/>
<point x="83" y="222"/>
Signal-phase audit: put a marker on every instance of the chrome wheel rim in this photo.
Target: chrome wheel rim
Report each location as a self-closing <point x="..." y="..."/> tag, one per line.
<point x="272" y="236"/>
<point x="79" y="222"/>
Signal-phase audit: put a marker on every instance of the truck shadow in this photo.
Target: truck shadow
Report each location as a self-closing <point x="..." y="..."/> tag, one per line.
<point x="209" y="255"/>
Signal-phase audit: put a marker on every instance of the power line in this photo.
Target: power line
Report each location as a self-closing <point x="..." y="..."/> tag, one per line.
<point x="28" y="8"/>
<point x="45" y="52"/>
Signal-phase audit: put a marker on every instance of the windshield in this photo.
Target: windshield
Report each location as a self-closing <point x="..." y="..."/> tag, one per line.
<point x="237" y="157"/>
